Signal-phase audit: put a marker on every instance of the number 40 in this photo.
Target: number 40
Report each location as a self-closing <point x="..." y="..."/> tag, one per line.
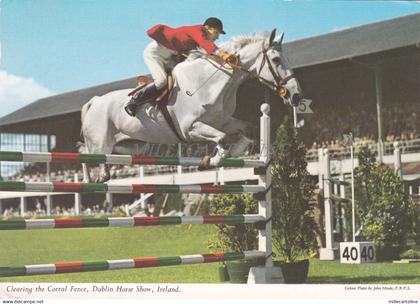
<point x="367" y="253"/>
<point x="350" y="254"/>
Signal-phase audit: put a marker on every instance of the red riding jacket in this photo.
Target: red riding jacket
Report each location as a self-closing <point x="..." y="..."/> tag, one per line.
<point x="182" y="39"/>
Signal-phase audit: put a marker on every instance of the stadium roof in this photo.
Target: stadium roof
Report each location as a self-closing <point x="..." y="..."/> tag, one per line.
<point x="354" y="42"/>
<point x="66" y="103"/>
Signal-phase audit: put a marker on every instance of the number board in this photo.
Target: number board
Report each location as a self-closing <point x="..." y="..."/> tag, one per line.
<point x="357" y="252"/>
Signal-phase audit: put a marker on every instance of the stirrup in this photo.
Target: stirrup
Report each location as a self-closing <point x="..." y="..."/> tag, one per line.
<point x="132" y="105"/>
<point x="145" y="95"/>
<point x="131" y="108"/>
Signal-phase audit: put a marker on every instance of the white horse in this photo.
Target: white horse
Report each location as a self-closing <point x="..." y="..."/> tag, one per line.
<point x="201" y="104"/>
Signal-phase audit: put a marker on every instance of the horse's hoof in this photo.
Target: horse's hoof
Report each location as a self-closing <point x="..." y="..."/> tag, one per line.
<point x="204" y="163"/>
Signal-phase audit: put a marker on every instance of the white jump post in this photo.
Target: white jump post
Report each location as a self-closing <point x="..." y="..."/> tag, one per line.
<point x="179" y="167"/>
<point x="327" y="253"/>
<point x="77" y="199"/>
<point x="22" y="206"/>
<point x="264" y="207"/>
<point x="397" y="159"/>
<point x="109" y="198"/>
<point x="268" y="273"/>
<point x="343" y="209"/>
<point x="48" y="198"/>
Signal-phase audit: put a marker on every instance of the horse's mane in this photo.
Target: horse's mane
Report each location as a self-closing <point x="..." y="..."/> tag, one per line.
<point x="236" y="43"/>
<point x="239" y="42"/>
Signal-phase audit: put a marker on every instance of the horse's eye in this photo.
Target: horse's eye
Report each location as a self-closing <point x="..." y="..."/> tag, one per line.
<point x="276" y="60"/>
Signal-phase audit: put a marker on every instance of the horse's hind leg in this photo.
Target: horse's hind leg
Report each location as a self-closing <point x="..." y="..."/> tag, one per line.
<point x="203" y="132"/>
<point x="238" y="128"/>
<point x="85" y="169"/>
<point x="102" y="143"/>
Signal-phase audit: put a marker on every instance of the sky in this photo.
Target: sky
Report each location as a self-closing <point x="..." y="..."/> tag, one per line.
<point x="50" y="47"/>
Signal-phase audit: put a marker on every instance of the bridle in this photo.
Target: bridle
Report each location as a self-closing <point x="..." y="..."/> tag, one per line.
<point x="280" y="82"/>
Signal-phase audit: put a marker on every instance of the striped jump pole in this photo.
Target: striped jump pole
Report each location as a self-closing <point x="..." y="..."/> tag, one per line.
<point x="80" y="222"/>
<point x="66" y="267"/>
<point x="112" y="159"/>
<point x="133" y="188"/>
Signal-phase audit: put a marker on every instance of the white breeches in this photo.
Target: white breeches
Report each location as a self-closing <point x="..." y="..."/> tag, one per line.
<point x="158" y="59"/>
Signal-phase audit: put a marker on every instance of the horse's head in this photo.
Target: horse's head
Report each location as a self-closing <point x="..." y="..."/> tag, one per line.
<point x="274" y="70"/>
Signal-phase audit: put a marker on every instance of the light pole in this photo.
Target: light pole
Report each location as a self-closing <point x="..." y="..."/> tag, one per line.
<point x="348" y="141"/>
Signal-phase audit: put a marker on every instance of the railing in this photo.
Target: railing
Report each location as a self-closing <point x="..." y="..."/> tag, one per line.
<point x="406" y="146"/>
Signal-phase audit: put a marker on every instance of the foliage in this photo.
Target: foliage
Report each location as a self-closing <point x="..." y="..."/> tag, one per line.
<point x="385" y="211"/>
<point x="237" y="237"/>
<point x="411" y="254"/>
<point x="293" y="225"/>
<point x="119" y="213"/>
<point x="416" y="219"/>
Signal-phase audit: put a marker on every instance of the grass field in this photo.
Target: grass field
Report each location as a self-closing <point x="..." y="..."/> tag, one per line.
<point x="26" y="247"/>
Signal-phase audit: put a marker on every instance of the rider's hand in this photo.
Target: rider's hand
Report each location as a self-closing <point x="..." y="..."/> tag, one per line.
<point x="229" y="58"/>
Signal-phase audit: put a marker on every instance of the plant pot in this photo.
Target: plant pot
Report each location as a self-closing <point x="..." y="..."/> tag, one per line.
<point x="294" y="273"/>
<point x="223" y="274"/>
<point x="238" y="270"/>
<point x="387" y="254"/>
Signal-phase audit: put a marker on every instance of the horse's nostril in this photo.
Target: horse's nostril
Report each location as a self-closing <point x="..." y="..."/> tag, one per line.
<point x="296" y="99"/>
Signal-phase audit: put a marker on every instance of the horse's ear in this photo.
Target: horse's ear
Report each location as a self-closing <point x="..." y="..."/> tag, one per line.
<point x="281" y="39"/>
<point x="273" y="34"/>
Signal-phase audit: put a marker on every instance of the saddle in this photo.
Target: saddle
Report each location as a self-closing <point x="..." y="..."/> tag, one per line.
<point x="161" y="101"/>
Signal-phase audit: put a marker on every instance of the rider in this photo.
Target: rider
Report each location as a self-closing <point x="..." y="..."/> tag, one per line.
<point x="169" y="43"/>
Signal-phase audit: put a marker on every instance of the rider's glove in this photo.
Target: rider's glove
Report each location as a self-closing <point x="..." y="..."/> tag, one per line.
<point x="227" y="57"/>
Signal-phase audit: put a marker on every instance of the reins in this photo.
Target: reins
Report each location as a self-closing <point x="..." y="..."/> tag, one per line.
<point x="280" y="82"/>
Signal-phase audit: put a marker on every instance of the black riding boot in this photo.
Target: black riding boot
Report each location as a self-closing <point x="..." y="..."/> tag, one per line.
<point x="145" y="95"/>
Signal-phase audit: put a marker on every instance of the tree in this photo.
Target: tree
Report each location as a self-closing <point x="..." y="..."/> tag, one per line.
<point x="293" y="225"/>
<point x="384" y="209"/>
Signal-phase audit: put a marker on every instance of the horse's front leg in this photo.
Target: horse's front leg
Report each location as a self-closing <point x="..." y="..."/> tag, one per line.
<point x="238" y="128"/>
<point x="203" y="132"/>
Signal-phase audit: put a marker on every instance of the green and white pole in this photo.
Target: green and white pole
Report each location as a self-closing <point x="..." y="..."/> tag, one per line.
<point x="113" y="159"/>
<point x="137" y="221"/>
<point x="88" y="266"/>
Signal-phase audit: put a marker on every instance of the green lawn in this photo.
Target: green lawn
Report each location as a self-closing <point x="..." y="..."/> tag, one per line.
<point x="26" y="247"/>
<point x="323" y="272"/>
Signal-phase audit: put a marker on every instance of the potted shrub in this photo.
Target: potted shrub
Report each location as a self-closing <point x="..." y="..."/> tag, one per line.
<point x="292" y="190"/>
<point x="234" y="238"/>
<point x="385" y="211"/>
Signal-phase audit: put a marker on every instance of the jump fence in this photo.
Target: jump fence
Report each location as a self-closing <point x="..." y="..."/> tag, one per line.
<point x="262" y="194"/>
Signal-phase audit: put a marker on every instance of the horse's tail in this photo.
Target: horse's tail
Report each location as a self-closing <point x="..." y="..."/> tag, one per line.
<point x="85" y="108"/>
<point x="81" y="145"/>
